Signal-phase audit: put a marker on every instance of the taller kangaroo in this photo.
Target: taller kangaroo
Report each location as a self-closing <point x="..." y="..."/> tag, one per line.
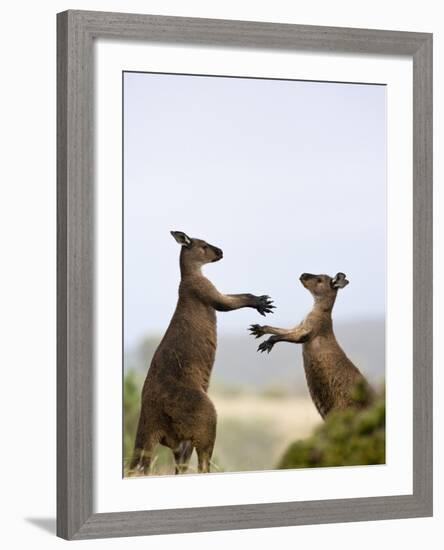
<point x="331" y="377"/>
<point x="176" y="410"/>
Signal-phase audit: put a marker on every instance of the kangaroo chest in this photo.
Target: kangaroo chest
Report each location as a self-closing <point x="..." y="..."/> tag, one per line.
<point x="321" y="373"/>
<point x="189" y="347"/>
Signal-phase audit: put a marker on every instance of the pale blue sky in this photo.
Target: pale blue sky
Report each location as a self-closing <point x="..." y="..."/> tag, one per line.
<point x="284" y="176"/>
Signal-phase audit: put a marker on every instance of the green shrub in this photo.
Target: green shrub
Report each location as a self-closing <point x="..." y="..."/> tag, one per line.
<point x="347" y="438"/>
<point x="131" y="409"/>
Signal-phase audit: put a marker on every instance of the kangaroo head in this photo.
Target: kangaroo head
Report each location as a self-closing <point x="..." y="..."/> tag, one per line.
<point x="323" y="286"/>
<point x="196" y="252"/>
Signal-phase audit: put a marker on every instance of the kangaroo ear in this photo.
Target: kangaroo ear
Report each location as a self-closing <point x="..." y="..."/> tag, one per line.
<point x="339" y="280"/>
<point x="181" y="238"/>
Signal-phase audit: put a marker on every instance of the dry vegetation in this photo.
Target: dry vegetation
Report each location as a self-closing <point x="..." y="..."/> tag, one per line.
<point x="254" y="430"/>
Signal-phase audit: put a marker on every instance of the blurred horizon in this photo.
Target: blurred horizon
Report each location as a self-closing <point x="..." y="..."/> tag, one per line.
<point x="239" y="367"/>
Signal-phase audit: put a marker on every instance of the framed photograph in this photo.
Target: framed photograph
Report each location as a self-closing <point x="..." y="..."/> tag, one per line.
<point x="244" y="275"/>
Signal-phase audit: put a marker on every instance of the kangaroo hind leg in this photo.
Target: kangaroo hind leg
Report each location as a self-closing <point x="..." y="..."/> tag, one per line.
<point x="182" y="456"/>
<point x="205" y="438"/>
<point x="204" y="454"/>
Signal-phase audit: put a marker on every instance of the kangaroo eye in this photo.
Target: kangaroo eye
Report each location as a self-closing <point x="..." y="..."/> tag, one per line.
<point x="319" y="280"/>
<point x="205" y="247"/>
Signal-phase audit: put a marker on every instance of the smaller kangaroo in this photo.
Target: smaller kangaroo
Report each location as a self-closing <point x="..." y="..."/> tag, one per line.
<point x="331" y="376"/>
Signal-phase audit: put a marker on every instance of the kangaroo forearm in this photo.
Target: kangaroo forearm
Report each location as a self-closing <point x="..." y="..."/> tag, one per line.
<point x="229" y="302"/>
<point x="297" y="336"/>
<point x="275" y="330"/>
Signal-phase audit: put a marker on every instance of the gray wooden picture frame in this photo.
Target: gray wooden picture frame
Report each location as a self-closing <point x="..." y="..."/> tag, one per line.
<point x="76" y="32"/>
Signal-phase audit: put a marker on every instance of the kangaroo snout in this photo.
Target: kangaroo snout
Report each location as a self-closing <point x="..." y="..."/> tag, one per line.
<point x="219" y="253"/>
<point x="306" y="276"/>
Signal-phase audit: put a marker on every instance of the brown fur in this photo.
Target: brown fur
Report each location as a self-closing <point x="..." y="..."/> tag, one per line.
<point x="331" y="377"/>
<point x="176" y="410"/>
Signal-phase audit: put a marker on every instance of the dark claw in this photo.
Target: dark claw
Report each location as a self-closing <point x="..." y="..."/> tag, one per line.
<point x="256" y="330"/>
<point x="265" y="305"/>
<point x="266" y="346"/>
